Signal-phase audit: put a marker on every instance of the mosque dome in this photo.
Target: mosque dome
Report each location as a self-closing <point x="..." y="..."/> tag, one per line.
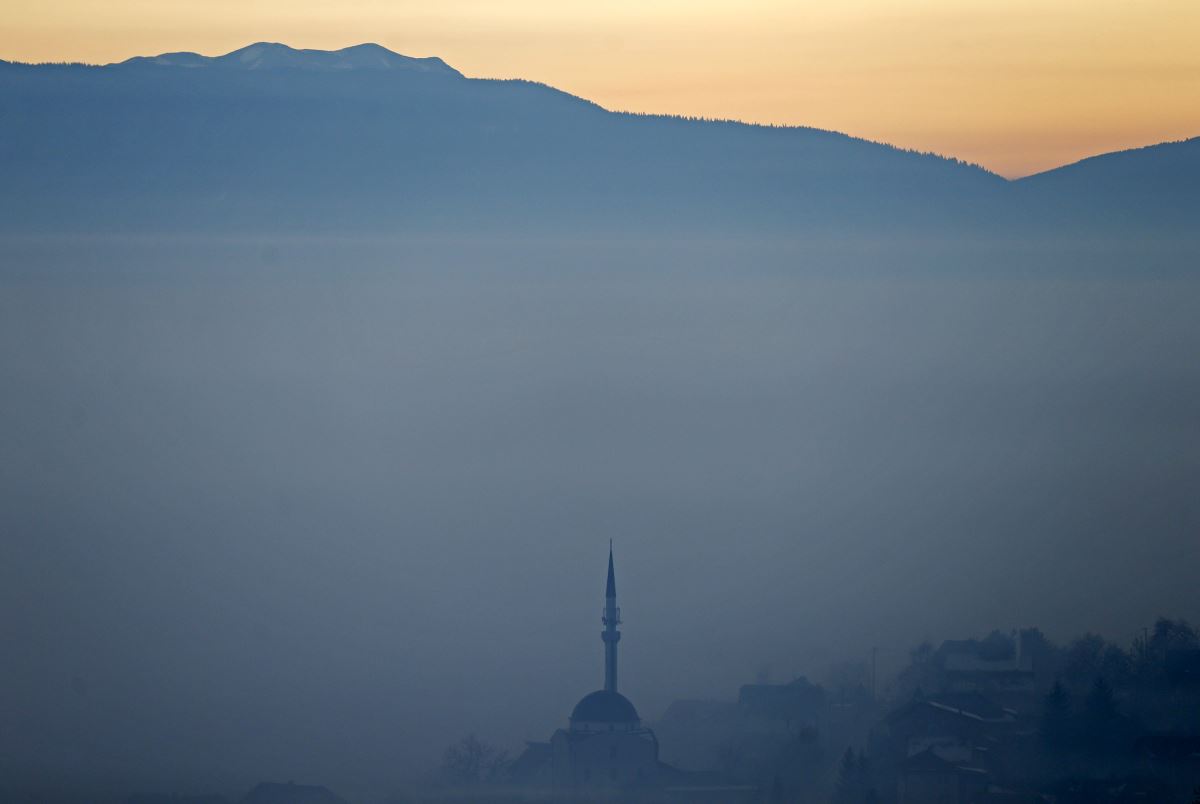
<point x="604" y="706"/>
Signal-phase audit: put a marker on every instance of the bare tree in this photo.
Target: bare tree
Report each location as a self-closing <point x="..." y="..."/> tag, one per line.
<point x="472" y="761"/>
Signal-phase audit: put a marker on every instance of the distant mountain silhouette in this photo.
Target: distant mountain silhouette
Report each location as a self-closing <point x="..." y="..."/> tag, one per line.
<point x="275" y="56"/>
<point x="268" y="138"/>
<point x="1155" y="188"/>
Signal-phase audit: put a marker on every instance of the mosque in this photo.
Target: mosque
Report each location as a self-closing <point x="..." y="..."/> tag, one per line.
<point x="605" y="745"/>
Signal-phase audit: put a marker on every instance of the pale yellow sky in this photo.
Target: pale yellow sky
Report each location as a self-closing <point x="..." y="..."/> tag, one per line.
<point x="1018" y="86"/>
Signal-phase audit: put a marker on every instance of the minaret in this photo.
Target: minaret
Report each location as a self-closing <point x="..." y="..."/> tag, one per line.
<point x="611" y="619"/>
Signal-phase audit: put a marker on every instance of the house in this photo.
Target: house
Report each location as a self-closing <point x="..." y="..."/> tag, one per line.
<point x="928" y="778"/>
<point x="955" y="724"/>
<point x="996" y="666"/>
<point x="791" y="707"/>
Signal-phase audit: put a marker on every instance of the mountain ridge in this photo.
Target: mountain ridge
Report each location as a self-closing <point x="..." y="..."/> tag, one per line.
<point x="364" y="139"/>
<point x="371" y="56"/>
<point x="275" y="55"/>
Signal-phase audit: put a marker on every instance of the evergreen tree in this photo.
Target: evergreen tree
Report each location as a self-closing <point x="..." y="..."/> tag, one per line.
<point x="1081" y="664"/>
<point x="1100" y="715"/>
<point x="1056" y="717"/>
<point x="848" y="787"/>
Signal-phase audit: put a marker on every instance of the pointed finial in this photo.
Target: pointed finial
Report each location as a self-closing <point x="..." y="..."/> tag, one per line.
<point x="611" y="590"/>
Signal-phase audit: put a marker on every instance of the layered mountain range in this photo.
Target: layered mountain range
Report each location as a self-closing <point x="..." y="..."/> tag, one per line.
<point x="273" y="139"/>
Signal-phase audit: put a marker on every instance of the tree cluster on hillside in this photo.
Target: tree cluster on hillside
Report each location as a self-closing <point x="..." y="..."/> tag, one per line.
<point x="1075" y="720"/>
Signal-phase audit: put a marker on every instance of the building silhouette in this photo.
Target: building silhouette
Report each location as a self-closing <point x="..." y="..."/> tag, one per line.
<point x="605" y="745"/>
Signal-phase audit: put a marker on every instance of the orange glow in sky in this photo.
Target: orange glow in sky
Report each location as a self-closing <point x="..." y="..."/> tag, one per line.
<point x="1017" y="86"/>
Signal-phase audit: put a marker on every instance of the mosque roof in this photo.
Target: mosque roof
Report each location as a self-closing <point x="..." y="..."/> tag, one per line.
<point x="603" y="706"/>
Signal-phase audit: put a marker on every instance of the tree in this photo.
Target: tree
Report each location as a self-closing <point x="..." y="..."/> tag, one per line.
<point x="1149" y="655"/>
<point x="1082" y="663"/>
<point x="1100" y="708"/>
<point x="921" y="673"/>
<point x="866" y="792"/>
<point x="1115" y="666"/>
<point x="854" y="779"/>
<point x="1173" y="635"/>
<point x="1100" y="715"/>
<point x="1056" y="717"/>
<point x="847" y="784"/>
<point x="471" y="761"/>
<point x="1035" y="643"/>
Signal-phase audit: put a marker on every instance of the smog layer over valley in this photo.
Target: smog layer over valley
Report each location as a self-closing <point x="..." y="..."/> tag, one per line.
<point x="330" y="377"/>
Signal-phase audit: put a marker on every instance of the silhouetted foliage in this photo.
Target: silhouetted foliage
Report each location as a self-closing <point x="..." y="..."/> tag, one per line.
<point x="1100" y="716"/>
<point x="854" y="779"/>
<point x="919" y="676"/>
<point x="471" y="761"/>
<point x="1082" y="662"/>
<point x="1056" y="717"/>
<point x="1115" y="666"/>
<point x="997" y="646"/>
<point x="1149" y="655"/>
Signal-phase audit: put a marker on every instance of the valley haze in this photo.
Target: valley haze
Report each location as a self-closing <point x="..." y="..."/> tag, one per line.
<point x="330" y="374"/>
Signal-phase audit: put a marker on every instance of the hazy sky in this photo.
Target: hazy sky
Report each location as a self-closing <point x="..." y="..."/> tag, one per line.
<point x="314" y="510"/>
<point x="1019" y="85"/>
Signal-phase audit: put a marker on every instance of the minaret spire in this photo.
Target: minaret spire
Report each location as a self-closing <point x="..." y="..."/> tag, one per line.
<point x="611" y="590"/>
<point x="611" y="619"/>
